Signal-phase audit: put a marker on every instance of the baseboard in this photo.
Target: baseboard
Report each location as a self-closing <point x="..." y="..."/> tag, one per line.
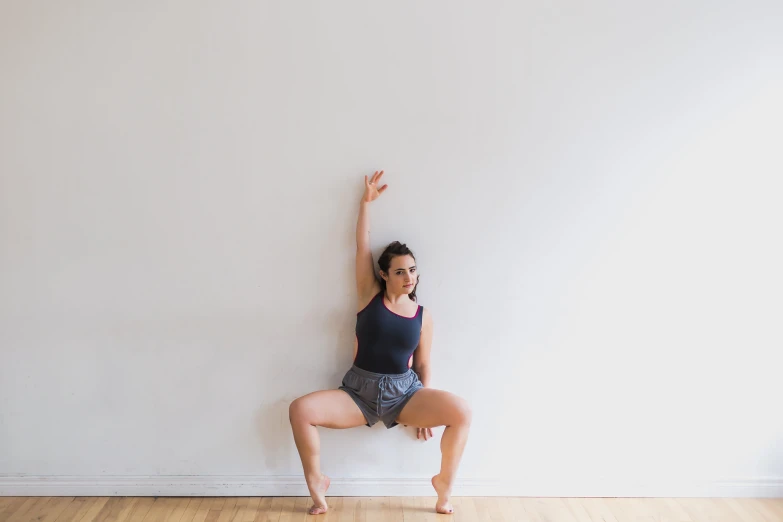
<point x="283" y="486"/>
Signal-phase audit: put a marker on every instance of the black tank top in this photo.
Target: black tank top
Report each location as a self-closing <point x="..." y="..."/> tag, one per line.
<point x="386" y="340"/>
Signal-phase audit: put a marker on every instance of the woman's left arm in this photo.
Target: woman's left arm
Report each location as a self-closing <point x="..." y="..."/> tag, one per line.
<point x="421" y="357"/>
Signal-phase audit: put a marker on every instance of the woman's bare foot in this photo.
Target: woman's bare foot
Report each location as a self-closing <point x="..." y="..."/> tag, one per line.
<point x="442" y="489"/>
<point x="318" y="492"/>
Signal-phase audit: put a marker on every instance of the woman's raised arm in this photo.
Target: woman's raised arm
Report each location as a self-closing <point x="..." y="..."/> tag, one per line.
<point x="366" y="283"/>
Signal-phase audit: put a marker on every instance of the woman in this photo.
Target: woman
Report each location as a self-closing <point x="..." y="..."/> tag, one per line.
<point x="393" y="333"/>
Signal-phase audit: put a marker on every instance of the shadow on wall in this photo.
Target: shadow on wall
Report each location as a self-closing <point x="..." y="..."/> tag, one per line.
<point x="772" y="462"/>
<point x="339" y="324"/>
<point x="274" y="428"/>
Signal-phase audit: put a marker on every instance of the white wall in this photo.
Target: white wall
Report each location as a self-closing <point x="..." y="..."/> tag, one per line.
<point x="592" y="190"/>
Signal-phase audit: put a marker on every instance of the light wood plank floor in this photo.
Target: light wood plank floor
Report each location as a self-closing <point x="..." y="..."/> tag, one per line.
<point x="371" y="509"/>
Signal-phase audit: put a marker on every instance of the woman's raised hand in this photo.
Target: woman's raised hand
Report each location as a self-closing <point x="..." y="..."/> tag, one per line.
<point x="371" y="190"/>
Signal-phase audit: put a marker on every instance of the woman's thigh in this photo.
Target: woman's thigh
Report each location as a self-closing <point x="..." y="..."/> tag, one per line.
<point x="328" y="408"/>
<point x="429" y="408"/>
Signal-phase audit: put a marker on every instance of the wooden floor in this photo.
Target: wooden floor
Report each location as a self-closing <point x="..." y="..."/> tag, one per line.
<point x="371" y="509"/>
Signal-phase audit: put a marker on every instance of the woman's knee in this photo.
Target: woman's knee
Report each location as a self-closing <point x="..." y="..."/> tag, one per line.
<point x="298" y="410"/>
<point x="463" y="412"/>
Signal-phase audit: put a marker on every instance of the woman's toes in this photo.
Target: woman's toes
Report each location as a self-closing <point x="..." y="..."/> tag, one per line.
<point x="445" y="509"/>
<point x="317" y="510"/>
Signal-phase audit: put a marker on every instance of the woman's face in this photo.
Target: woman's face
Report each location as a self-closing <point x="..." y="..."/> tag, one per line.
<point x="402" y="276"/>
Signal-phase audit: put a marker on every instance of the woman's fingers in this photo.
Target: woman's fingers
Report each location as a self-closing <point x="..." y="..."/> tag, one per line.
<point x="424" y="433"/>
<point x="371" y="186"/>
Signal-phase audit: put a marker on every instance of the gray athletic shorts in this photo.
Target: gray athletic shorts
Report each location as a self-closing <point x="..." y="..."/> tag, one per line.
<point x="380" y="396"/>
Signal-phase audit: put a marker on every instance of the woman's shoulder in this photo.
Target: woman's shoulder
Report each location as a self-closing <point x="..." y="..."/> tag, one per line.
<point x="366" y="301"/>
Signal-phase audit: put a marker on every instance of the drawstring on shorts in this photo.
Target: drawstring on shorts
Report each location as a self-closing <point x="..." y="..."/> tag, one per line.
<point x="383" y="380"/>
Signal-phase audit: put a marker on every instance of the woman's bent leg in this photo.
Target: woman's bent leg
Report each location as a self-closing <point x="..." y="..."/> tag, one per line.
<point x="429" y="408"/>
<point x="330" y="409"/>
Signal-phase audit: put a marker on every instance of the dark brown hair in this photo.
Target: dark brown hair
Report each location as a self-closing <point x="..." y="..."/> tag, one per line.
<point x="393" y="250"/>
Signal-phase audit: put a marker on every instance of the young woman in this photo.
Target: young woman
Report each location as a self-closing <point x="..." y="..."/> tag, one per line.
<point x="390" y="378"/>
